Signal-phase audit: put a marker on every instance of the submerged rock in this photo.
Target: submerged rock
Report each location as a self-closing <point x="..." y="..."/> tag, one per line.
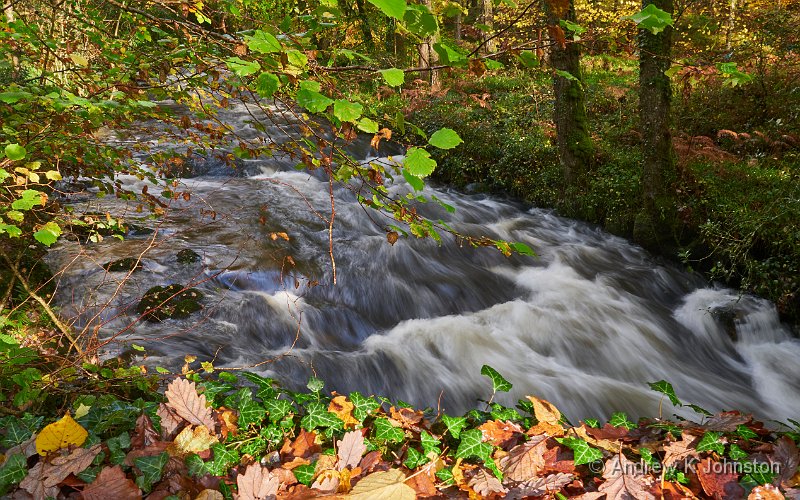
<point x="123" y="265"/>
<point x="188" y="256"/>
<point x="171" y="301"/>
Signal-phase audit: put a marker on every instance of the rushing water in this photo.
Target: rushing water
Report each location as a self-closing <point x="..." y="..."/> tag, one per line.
<point x="584" y="324"/>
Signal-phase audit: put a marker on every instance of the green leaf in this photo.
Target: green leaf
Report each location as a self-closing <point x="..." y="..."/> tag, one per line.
<point x="277" y="408"/>
<point x="746" y="432"/>
<point x="224" y="459"/>
<point x="196" y="466"/>
<point x="13" y="470"/>
<point x="117" y="446"/>
<point x="570" y="26"/>
<point x="241" y="67"/>
<point x="472" y="446"/>
<point x="736" y="453"/>
<point x="414" y="459"/>
<point x="267" y="84"/>
<point x="620" y="419"/>
<point x="385" y="431"/>
<point x="392" y="8"/>
<point x="363" y="406"/>
<point x="498" y="382"/>
<point x="393" y="76"/>
<point x="15" y="152"/>
<point x="418" y="162"/>
<point x="500" y="412"/>
<point x="347" y="111"/>
<point x="523" y="249"/>
<point x="48" y="234"/>
<point x="448" y="55"/>
<point x="305" y="473"/>
<point x="711" y="442"/>
<point x="445" y="138"/>
<point x="151" y="468"/>
<point x="30" y="198"/>
<point x="454" y="425"/>
<point x="367" y="125"/>
<point x="315" y="385"/>
<point x="567" y="75"/>
<point x="250" y="412"/>
<point x="652" y="19"/>
<point x="665" y="388"/>
<point x="317" y="415"/>
<point x="446" y="476"/>
<point x="313" y="100"/>
<point x="296" y="58"/>
<point x="263" y="43"/>
<point x="700" y="410"/>
<point x="415" y="182"/>
<point x="420" y="21"/>
<point x="528" y="59"/>
<point x="584" y="453"/>
<point x="648" y="457"/>
<point x="14" y="96"/>
<point x="12" y="231"/>
<point x="732" y="75"/>
<point x="429" y="443"/>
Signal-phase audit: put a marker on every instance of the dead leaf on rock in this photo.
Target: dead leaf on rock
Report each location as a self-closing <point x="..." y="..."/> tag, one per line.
<point x="112" y="483"/>
<point x="257" y="483"/>
<point x="625" y="480"/>
<point x="524" y="461"/>
<point x="485" y="484"/>
<point x="718" y="481"/>
<point x="349" y="450"/>
<point x="182" y="397"/>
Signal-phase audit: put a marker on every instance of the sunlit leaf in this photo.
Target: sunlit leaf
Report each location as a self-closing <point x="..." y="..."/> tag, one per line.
<point x="392" y="8"/>
<point x="15" y="152"/>
<point x="418" y="162"/>
<point x="263" y="42"/>
<point x="499" y="384"/>
<point x="652" y="19"/>
<point x="347" y="111"/>
<point x="665" y="388"/>
<point x="445" y="138"/>
<point x="393" y="76"/>
<point x="60" y="434"/>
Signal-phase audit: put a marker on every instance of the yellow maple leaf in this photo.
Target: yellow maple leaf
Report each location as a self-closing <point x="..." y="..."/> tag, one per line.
<point x="343" y="409"/>
<point x="60" y="434"/>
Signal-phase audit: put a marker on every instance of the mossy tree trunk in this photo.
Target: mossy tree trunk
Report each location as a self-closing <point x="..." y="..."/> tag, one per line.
<point x="655" y="223"/>
<point x="575" y="147"/>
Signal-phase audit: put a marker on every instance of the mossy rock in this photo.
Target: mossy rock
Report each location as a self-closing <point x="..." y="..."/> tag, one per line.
<point x="188" y="256"/>
<point x="123" y="265"/>
<point x="171" y="301"/>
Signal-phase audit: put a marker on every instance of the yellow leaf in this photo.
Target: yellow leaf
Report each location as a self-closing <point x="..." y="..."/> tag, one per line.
<point x="60" y="434"/>
<point x="82" y="410"/>
<point x="385" y="485"/>
<point x="53" y="175"/>
<point x="548" y="416"/>
<point x="343" y="409"/>
<point x="194" y="440"/>
<point x="79" y="60"/>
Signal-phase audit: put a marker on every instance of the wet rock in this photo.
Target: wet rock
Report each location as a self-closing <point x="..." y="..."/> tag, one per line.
<point x="188" y="256"/>
<point x="171" y="301"/>
<point x="727" y="317"/>
<point x="123" y="265"/>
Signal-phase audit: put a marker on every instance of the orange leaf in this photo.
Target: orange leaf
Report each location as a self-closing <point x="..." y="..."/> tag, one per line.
<point x="343" y="409"/>
<point x="112" y="482"/>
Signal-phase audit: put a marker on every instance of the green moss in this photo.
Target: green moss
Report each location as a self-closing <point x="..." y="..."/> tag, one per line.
<point x="173" y="301"/>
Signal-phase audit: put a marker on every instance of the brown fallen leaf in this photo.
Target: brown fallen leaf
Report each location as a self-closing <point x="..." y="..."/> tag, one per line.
<point x="192" y="440"/>
<point x="524" y="461"/>
<point x="540" y="486"/>
<point x="485" y="484"/>
<point x="206" y="494"/>
<point x="327" y="482"/>
<point x="680" y="450"/>
<point x="765" y="492"/>
<point x="170" y="422"/>
<point x="228" y="421"/>
<point x="787" y="455"/>
<point x="499" y="433"/>
<point x="112" y="482"/>
<point x="718" y="481"/>
<point x="144" y="434"/>
<point x="182" y="397"/>
<point x="42" y="480"/>
<point x="727" y="421"/>
<point x="350" y="449"/>
<point x="625" y="480"/>
<point x="257" y="483"/>
<point x="548" y="416"/>
<point x="423" y="485"/>
<point x="369" y="461"/>
<point x="406" y="417"/>
<point x="305" y="444"/>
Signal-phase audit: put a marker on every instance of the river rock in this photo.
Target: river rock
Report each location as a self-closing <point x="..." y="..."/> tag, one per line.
<point x="123" y="265"/>
<point x="188" y="256"/>
<point x="171" y="301"/>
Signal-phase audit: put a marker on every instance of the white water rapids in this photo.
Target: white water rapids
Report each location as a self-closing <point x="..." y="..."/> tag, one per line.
<point x="585" y="324"/>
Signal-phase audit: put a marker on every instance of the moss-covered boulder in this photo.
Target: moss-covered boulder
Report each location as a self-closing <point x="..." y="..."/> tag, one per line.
<point x="123" y="265"/>
<point x="188" y="256"/>
<point x="171" y="301"/>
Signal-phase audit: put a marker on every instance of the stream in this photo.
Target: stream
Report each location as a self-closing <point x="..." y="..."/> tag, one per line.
<point x="585" y="324"/>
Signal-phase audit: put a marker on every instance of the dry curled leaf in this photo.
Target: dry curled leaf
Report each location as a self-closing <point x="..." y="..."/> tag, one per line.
<point x="719" y="480"/>
<point x="548" y="416"/>
<point x="144" y="433"/>
<point x="170" y="421"/>
<point x="485" y="484"/>
<point x="624" y="480"/>
<point x="343" y="409"/>
<point x="765" y="492"/>
<point x="112" y="482"/>
<point x="524" y="461"/>
<point x="43" y="478"/>
<point x="385" y="485"/>
<point x="787" y="455"/>
<point x="193" y="440"/>
<point x="350" y="449"/>
<point x="182" y="397"/>
<point x="680" y="450"/>
<point x="257" y="483"/>
<point x="498" y="432"/>
<point x="541" y="486"/>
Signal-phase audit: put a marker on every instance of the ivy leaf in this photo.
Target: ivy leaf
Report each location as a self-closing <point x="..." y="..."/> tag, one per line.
<point x="363" y="406"/>
<point x="454" y="425"/>
<point x="666" y="388"/>
<point x="499" y="384"/>
<point x="620" y="419"/>
<point x="151" y="468"/>
<point x="414" y="459"/>
<point x="652" y="19"/>
<point x="263" y="43"/>
<point x="472" y="445"/>
<point x="711" y="442"/>
<point x="393" y="76"/>
<point x="429" y="443"/>
<point x="48" y="234"/>
<point x="30" y="198"/>
<point x="445" y="138"/>
<point x="384" y="430"/>
<point x="267" y="84"/>
<point x="392" y="8"/>
<point x="584" y="453"/>
<point x="277" y="408"/>
<point x="313" y="100"/>
<point x="347" y="111"/>
<point x="13" y="470"/>
<point x="241" y="67"/>
<point x="224" y="459"/>
<point x="304" y="473"/>
<point x="317" y="415"/>
<point x="15" y="152"/>
<point x="418" y="162"/>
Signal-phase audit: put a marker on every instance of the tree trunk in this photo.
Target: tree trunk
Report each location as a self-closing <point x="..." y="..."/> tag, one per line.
<point x="487" y="17"/>
<point x="428" y="57"/>
<point x="656" y="220"/>
<point x="575" y="147"/>
<point x="366" y="30"/>
<point x="9" y="13"/>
